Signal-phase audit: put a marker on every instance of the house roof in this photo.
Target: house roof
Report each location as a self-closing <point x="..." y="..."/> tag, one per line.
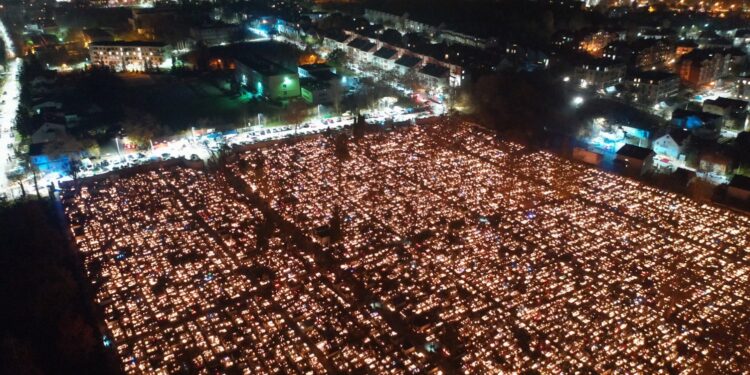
<point x="385" y="53"/>
<point x="315" y="67"/>
<point x="324" y="75"/>
<point x="263" y="66"/>
<point x="361" y="44"/>
<point x="703" y="116"/>
<point x="740" y="182"/>
<point x="654" y="75"/>
<point x="679" y="135"/>
<point x="97" y="34"/>
<point x="726" y="102"/>
<point x="47" y="132"/>
<point x="338" y="36"/>
<point x="635" y="152"/>
<point x="434" y="70"/>
<point x="408" y="61"/>
<point x="121" y="43"/>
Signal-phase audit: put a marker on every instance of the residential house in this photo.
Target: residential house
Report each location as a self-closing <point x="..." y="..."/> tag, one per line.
<point x="733" y="111"/>
<point x="599" y="73"/>
<point x="653" y="86"/>
<point x="635" y="159"/>
<point x="673" y="144"/>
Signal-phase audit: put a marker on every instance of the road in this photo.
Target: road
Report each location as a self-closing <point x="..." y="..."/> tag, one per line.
<point x="9" y="101"/>
<point x="203" y="146"/>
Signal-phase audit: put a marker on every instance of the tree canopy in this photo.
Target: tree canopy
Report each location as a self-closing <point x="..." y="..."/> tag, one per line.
<point x="46" y="325"/>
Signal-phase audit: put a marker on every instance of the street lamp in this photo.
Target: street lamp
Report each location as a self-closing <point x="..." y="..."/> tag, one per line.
<point x="117" y="143"/>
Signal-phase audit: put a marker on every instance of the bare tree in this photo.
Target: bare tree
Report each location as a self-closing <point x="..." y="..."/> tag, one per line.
<point x="295" y="114"/>
<point x="141" y="127"/>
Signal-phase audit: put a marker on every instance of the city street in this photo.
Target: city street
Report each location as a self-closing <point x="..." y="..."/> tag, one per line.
<point x="8" y="107"/>
<point x="203" y="146"/>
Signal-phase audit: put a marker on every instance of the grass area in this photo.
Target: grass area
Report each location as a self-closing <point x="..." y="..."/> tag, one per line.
<point x="181" y="102"/>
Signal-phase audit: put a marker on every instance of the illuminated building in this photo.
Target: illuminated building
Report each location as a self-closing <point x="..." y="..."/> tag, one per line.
<point x="594" y="44"/>
<point x="635" y="159"/>
<point x="135" y="56"/>
<point x="653" y="86"/>
<point x="214" y="34"/>
<point x="267" y="79"/>
<point x="599" y="73"/>
<point x="672" y="144"/>
<point x="701" y="67"/>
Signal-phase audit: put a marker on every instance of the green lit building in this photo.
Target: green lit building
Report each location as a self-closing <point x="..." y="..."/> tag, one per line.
<point x="267" y="79"/>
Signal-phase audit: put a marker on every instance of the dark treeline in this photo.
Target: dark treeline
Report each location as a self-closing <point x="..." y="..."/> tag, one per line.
<point x="46" y="323"/>
<point x="521" y="21"/>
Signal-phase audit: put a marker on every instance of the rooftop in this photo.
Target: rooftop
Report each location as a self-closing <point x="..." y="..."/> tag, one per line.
<point x="408" y="61"/>
<point x="362" y="44"/>
<point x="654" y="75"/>
<point x="434" y="70"/>
<point x="385" y="53"/>
<point x="122" y="43"/>
<point x="636" y="152"/>
<point x="262" y="66"/>
<point x="726" y="102"/>
<point x="679" y="135"/>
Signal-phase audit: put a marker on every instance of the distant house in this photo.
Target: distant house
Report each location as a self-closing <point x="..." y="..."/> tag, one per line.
<point x="407" y="63"/>
<point x="599" y="73"/>
<point x="361" y="50"/>
<point x="47" y="133"/>
<point x="739" y="188"/>
<point x="635" y="159"/>
<point x="715" y="162"/>
<point x="653" y="86"/>
<point x="337" y="40"/>
<point x="702" y="124"/>
<point x="733" y="111"/>
<point x="724" y="106"/>
<point x="672" y="144"/>
<point x="435" y="76"/>
<point x="214" y="33"/>
<point x="47" y="105"/>
<point x="385" y="57"/>
<point x="46" y="163"/>
<point x="96" y="35"/>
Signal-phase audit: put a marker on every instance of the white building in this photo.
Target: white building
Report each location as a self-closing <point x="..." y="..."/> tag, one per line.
<point x="672" y="144"/>
<point x="137" y="56"/>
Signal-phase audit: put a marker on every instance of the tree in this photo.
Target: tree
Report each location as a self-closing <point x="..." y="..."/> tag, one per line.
<point x="141" y="127"/>
<point x="338" y="58"/>
<point x="65" y="146"/>
<point x="337" y="95"/>
<point x="46" y="327"/>
<point x="295" y="113"/>
<point x="521" y="106"/>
